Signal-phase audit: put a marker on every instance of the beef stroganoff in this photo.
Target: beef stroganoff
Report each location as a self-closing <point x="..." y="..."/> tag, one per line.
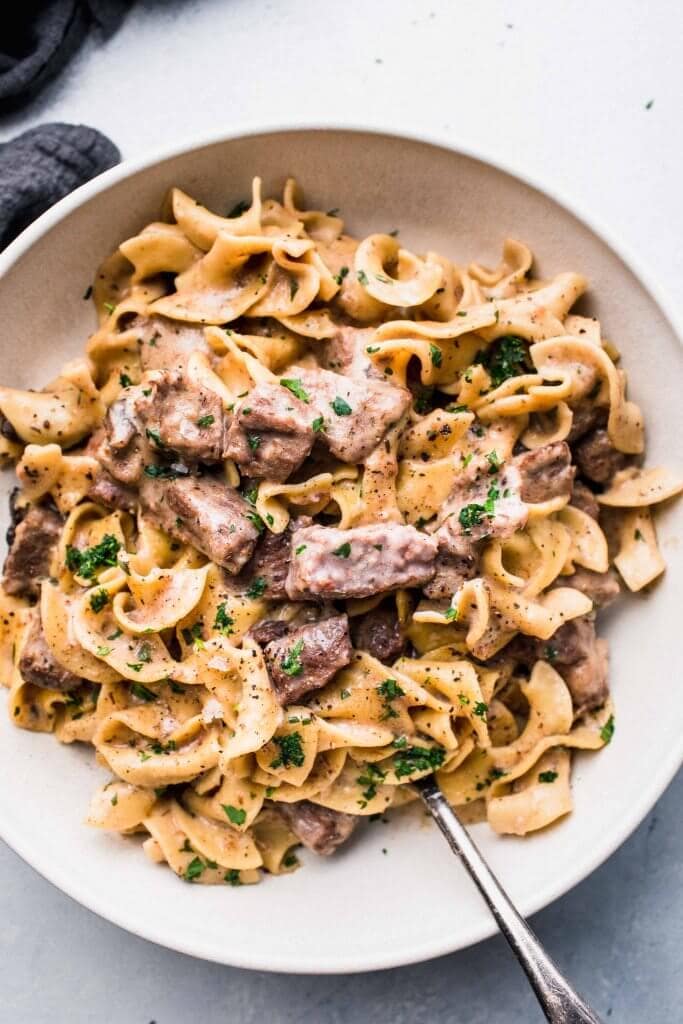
<point x="313" y="518"/>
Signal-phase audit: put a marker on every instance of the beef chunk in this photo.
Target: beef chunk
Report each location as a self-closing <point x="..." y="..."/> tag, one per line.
<point x="38" y="665"/>
<point x="576" y="653"/>
<point x="269" y="629"/>
<point x="346" y="352"/>
<point x="356" y="413"/>
<point x="187" y="418"/>
<point x="307" y="658"/>
<point x="481" y="505"/>
<point x="122" y="447"/>
<point x="456" y="562"/>
<point x="109" y="492"/>
<point x="598" y="459"/>
<point x="271" y="434"/>
<point x="378" y="632"/>
<point x="359" y="562"/>
<point x="165" y="344"/>
<point x="204" y="512"/>
<point x="546" y="472"/>
<point x="586" y="416"/>
<point x="28" y="559"/>
<point x="272" y="557"/>
<point x="601" y="587"/>
<point x="319" y="828"/>
<point x="584" y="499"/>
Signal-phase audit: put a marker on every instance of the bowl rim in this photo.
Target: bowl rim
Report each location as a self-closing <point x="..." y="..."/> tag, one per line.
<point x="661" y="773"/>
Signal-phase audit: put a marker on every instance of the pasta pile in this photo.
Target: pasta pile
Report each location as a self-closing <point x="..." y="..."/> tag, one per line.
<point x="311" y="519"/>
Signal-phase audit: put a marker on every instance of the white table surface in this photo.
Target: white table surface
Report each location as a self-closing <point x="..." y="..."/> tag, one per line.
<point x="561" y="89"/>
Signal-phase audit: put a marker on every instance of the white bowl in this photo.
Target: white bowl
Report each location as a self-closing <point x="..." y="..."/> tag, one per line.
<point x="364" y="908"/>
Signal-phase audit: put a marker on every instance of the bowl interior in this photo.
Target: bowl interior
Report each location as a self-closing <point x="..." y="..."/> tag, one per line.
<point x="396" y="895"/>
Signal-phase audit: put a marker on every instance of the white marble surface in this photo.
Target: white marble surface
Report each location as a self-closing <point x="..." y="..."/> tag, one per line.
<point x="561" y="89"/>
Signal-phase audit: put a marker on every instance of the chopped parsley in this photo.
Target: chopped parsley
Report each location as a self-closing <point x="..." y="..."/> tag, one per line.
<point x="98" y="600"/>
<point x="86" y="561"/>
<point x="341" y="407"/>
<point x="345" y="694"/>
<point x="292" y="664"/>
<point x="435" y="354"/>
<point x="371" y="349"/>
<point x="547" y="776"/>
<point x="109" y="306"/>
<point x="362" y="277"/>
<point x="294" y="385"/>
<point x="471" y="515"/>
<point x="142" y="693"/>
<point x="145" y="652"/>
<point x="493" y="461"/>
<point x="318" y="424"/>
<point x="256" y="521"/>
<point x="451" y="614"/>
<point x="343" y="551"/>
<point x="194" y="869"/>
<point x="507" y="357"/>
<point x="607" y="731"/>
<point x="254" y="441"/>
<point x="223" y="621"/>
<point x="291" y="751"/>
<point x="293" y="287"/>
<point x="480" y="709"/>
<point x="206" y="421"/>
<point x="124" y="380"/>
<point x="389" y="690"/>
<point x="102" y="652"/>
<point x="237" y="815"/>
<point x="341" y="275"/>
<point x="257" y="587"/>
<point x="371" y="778"/>
<point x="638" y="535"/>
<point x="418" y="759"/>
<point x="302" y="547"/>
<point x="192" y="635"/>
<point x="161" y="472"/>
<point x="232" y="877"/>
<point x="153" y="435"/>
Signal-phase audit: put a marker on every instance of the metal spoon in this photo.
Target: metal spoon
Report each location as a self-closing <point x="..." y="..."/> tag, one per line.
<point x="561" y="1004"/>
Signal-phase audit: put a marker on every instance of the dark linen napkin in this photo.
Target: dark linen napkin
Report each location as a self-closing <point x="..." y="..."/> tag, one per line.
<point x="44" y="164"/>
<point x="39" y="36"/>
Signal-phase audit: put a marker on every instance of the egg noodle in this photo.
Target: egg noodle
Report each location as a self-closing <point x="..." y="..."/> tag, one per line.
<point x="434" y="496"/>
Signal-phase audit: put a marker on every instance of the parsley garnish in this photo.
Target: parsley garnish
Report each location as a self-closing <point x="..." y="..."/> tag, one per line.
<point x="257" y="587"/>
<point x="153" y="435"/>
<point x="435" y="354"/>
<point x="192" y="636"/>
<point x="206" y="421"/>
<point x="607" y="731"/>
<point x="418" y="759"/>
<point x="451" y="614"/>
<point x="345" y="694"/>
<point x="161" y="472"/>
<point x="232" y="877"/>
<point x="256" y="521"/>
<point x="293" y="287"/>
<point x="85" y="562"/>
<point x="493" y="461"/>
<point x="194" y="869"/>
<point x="362" y="277"/>
<point x="294" y="385"/>
<point x="480" y="709"/>
<point x="341" y="407"/>
<point x="109" y="306"/>
<point x="372" y="777"/>
<point x="124" y="380"/>
<point x="291" y="751"/>
<point x="389" y="690"/>
<point x="471" y="515"/>
<point x="254" y="441"/>
<point x="291" y="664"/>
<point x="341" y="275"/>
<point x="237" y="815"/>
<point x="547" y="776"/>
<point x="343" y="551"/>
<point x="302" y="547"/>
<point x="98" y="600"/>
<point x="506" y="358"/>
<point x="223" y="621"/>
<point x="102" y="652"/>
<point x="142" y="693"/>
<point x="318" y="424"/>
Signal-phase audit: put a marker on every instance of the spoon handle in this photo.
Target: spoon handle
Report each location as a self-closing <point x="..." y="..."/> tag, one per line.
<point x="561" y="1004"/>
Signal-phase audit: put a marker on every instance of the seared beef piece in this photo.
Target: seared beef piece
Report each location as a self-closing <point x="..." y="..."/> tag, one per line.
<point x="307" y="658"/>
<point x="271" y="433"/>
<point x="598" y="459"/>
<point x="269" y="629"/>
<point x="28" y="559"/>
<point x="319" y="828"/>
<point x="38" y="664"/>
<point x="576" y="653"/>
<point x="586" y="416"/>
<point x="165" y="344"/>
<point x="359" y="562"/>
<point x="356" y="413"/>
<point x="456" y="562"/>
<point x="546" y="472"/>
<point x="271" y="559"/>
<point x="122" y="447"/>
<point x="481" y="505"/>
<point x="204" y="512"/>
<point x="109" y="492"/>
<point x="584" y="499"/>
<point x="187" y="418"/>
<point x="601" y="587"/>
<point x="378" y="632"/>
<point x="346" y="352"/>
